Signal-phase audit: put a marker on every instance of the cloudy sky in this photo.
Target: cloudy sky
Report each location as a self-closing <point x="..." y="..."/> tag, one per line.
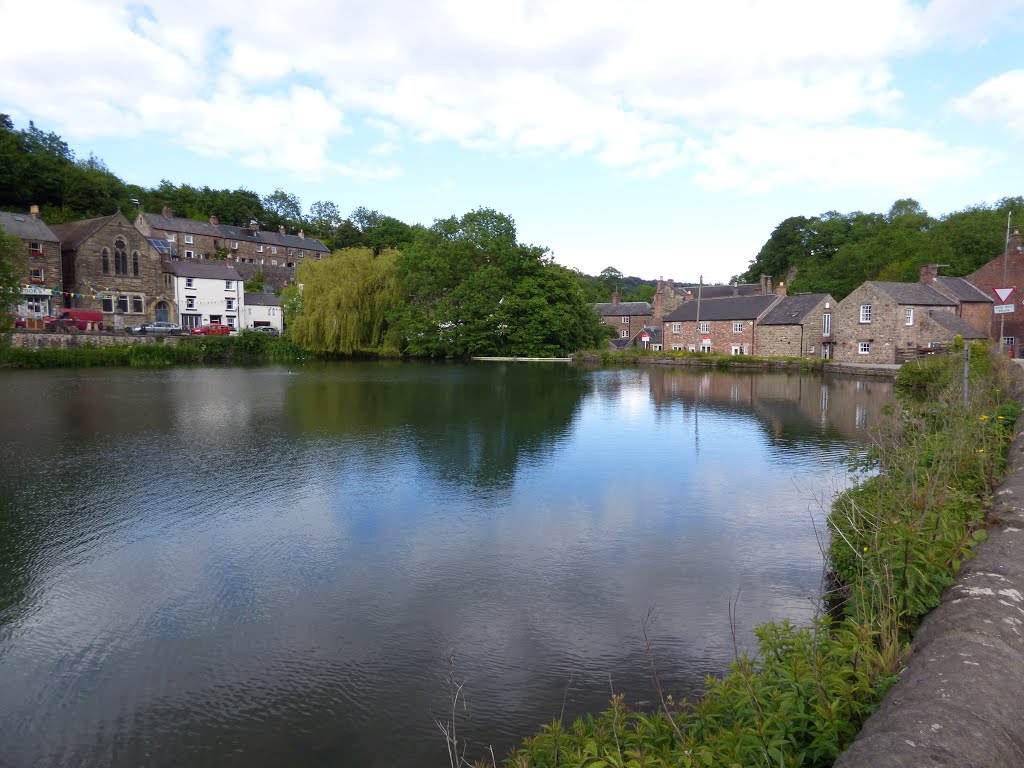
<point x="659" y="137"/>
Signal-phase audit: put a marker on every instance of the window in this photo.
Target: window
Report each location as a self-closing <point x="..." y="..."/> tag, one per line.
<point x="191" y="321"/>
<point x="625" y="320"/>
<point x="259" y="249"/>
<point x="291" y="251"/>
<point x="910" y="315"/>
<point x="675" y="328"/>
<point x="864" y="348"/>
<point x="865" y="313"/>
<point x="705" y="345"/>
<point x="108" y="303"/>
<point x="229" y="285"/>
<point x="137" y="307"/>
<point x="234" y="245"/>
<point x="316" y="256"/>
<point x="736" y="349"/>
<point x="105" y="257"/>
<point x="231" y="320"/>
<point x="737" y="327"/>
<point x="1009" y="341"/>
<point x="172" y="238"/>
<point x="229" y="305"/>
<point x="189" y="254"/>
<point x="36" y="274"/>
<point x="677" y="348"/>
<point x="190" y="283"/>
<point x="301" y="254"/>
<point x="187" y="239"/>
<point x="826" y="324"/>
<point x="135" y="263"/>
<point x="168" y="280"/>
<point x="273" y="249"/>
<point x="704" y="327"/>
<point x="36" y="249"/>
<point x="190" y="302"/>
<point x="120" y="257"/>
<point x="122" y="304"/>
<point x="273" y="262"/>
<point x="290" y="265"/>
<point x="624" y="334"/>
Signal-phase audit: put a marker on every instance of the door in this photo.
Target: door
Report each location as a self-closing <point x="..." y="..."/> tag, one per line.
<point x="162" y="312"/>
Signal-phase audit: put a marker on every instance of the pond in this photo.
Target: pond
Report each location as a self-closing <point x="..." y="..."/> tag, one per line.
<point x="281" y="566"/>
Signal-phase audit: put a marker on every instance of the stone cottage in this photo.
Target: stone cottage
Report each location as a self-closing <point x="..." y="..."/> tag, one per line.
<point x="627" y="318"/>
<point x="42" y="282"/>
<point x="884" y="322"/>
<point x="109" y="266"/>
<point x="798" y="326"/>
<point x="724" y="325"/>
<point x="973" y="304"/>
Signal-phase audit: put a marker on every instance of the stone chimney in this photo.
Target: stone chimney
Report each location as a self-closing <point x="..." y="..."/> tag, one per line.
<point x="659" y="301"/>
<point x="230" y="260"/>
<point x="781" y="290"/>
<point x="254" y="225"/>
<point x="769" y="284"/>
<point x="33" y="211"/>
<point x="302" y="234"/>
<point x="735" y="289"/>
<point x="616" y="297"/>
<point x="1015" y="244"/>
<point x="214" y="219"/>
<point x="281" y="229"/>
<point x="167" y="212"/>
<point x="928" y="273"/>
<point x="764" y="284"/>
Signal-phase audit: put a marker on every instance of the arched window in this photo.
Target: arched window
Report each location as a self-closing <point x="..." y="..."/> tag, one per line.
<point x="120" y="257"/>
<point x="105" y="256"/>
<point x="135" y="263"/>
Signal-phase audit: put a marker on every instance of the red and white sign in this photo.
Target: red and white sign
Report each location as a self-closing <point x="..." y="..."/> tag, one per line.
<point x="645" y="337"/>
<point x="707" y="339"/>
<point x="1003" y="293"/>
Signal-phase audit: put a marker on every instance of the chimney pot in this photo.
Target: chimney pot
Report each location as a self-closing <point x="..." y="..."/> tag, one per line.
<point x="781" y="290"/>
<point x="302" y="234"/>
<point x="214" y="219"/>
<point x="616" y="297"/>
<point x="928" y="273"/>
<point x="33" y="211"/>
<point x="167" y="212"/>
<point x="281" y="229"/>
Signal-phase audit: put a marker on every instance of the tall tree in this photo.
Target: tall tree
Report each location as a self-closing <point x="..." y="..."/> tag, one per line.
<point x="12" y="270"/>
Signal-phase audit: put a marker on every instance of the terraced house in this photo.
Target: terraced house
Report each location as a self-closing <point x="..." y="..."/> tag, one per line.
<point x="275" y="254"/>
<point x="798" y="326"/>
<point x="42" y="283"/>
<point x="725" y="326"/>
<point x="627" y="318"/>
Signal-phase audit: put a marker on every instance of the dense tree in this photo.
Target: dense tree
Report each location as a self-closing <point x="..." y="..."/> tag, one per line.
<point x="282" y="209"/>
<point x="12" y="270"/>
<point x="345" y="301"/>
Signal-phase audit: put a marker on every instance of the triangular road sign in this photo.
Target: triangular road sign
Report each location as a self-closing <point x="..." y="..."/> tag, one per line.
<point x="1003" y="293"/>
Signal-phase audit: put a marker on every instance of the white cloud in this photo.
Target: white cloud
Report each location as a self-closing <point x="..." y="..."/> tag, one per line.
<point x="998" y="102"/>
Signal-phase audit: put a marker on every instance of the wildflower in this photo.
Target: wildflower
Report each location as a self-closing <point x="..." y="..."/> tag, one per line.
<point x="865" y="549"/>
<point x="1000" y="417"/>
<point x="983" y="418"/>
<point x="981" y="450"/>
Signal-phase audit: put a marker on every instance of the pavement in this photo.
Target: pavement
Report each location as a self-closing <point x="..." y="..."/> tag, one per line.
<point x="960" y="700"/>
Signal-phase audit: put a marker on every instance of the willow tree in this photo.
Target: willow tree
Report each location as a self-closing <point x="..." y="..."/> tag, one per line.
<point x="345" y="302"/>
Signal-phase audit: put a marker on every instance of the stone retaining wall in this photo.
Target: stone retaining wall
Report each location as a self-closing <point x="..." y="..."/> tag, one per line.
<point x="46" y="340"/>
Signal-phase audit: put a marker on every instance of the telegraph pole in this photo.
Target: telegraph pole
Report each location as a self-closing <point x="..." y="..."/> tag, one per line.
<point x="700" y="286"/>
<point x="1006" y="256"/>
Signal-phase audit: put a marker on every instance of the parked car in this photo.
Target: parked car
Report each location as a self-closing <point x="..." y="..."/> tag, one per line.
<point x="213" y="329"/>
<point x="159" y="326"/>
<point x="269" y="330"/>
<point x="18" y="321"/>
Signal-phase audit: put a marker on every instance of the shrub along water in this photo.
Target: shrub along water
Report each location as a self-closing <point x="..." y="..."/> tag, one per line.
<point x="897" y="539"/>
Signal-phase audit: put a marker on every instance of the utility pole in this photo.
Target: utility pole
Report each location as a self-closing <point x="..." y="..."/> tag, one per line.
<point x="700" y="286"/>
<point x="1006" y="256"/>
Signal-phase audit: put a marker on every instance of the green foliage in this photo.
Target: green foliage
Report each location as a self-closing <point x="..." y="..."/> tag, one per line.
<point x="12" y="270"/>
<point x="256" y="283"/>
<point x="345" y="302"/>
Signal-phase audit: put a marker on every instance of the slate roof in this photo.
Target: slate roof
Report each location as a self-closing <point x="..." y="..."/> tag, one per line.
<point x="654" y="332"/>
<point x="26" y="227"/>
<point x="792" y="309"/>
<point x="730" y="308"/>
<point x="231" y="232"/>
<point x="964" y="290"/>
<point x="955" y="324"/>
<point x="262" y="300"/>
<point x="913" y="293"/>
<point x="619" y="343"/>
<point x="208" y="269"/>
<point x="74" y="233"/>
<point x="722" y="291"/>
<point x="624" y="308"/>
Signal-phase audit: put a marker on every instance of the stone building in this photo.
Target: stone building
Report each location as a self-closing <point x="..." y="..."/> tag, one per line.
<point x="882" y="322"/>
<point x="276" y="254"/>
<point x="973" y="304"/>
<point x="42" y="283"/>
<point x="798" y="326"/>
<point x="724" y="325"/>
<point x="1003" y="272"/>
<point x="627" y="318"/>
<point x="109" y="266"/>
<point x="668" y="295"/>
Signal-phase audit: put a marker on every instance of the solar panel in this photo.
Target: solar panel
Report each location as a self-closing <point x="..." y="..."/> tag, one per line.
<point x="162" y="246"/>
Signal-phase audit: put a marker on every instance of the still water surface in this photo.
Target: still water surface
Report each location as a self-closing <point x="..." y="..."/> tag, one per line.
<point x="269" y="567"/>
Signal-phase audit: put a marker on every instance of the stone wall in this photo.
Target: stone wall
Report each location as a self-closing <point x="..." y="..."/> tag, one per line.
<point x="723" y="337"/>
<point x="46" y="340"/>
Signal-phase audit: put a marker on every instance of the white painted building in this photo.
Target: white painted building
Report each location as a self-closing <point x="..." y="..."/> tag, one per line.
<point x="263" y="309"/>
<point x="207" y="291"/>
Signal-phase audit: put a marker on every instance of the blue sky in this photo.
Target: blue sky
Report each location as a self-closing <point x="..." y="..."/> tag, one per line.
<point x="662" y="138"/>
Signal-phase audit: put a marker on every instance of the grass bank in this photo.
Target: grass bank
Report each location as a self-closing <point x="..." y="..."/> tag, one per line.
<point x="248" y="347"/>
<point x="636" y="355"/>
<point x="897" y="540"/>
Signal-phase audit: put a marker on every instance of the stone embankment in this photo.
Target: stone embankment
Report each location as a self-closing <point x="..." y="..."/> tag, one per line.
<point x="960" y="700"/>
<point x="47" y="340"/>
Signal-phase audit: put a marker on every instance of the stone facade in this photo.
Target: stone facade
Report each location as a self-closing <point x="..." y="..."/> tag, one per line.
<point x="974" y="305"/>
<point x="990" y="276"/>
<point x="109" y="266"/>
<point x="627" y="317"/>
<point x="802" y="335"/>
<point x="43" y="281"/>
<point x="724" y="326"/>
<point x="892" y="328"/>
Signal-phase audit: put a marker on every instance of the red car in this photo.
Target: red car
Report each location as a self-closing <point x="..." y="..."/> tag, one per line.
<point x="213" y="329"/>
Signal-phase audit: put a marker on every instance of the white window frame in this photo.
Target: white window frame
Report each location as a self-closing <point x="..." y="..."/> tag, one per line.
<point x="229" y="285"/>
<point x="229" y="305"/>
<point x="624" y="334"/>
<point x="301" y="253"/>
<point x="190" y="302"/>
<point x="171" y="238"/>
<point x="625" y="320"/>
<point x="259" y="249"/>
<point x="273" y="249"/>
<point x="704" y="327"/>
<point x="187" y="239"/>
<point x="107" y="302"/>
<point x="865" y="313"/>
<point x="1009" y="341"/>
<point x="36" y="248"/>
<point x="737" y="326"/>
<point x="826" y="324"/>
<point x="676" y="328"/>
<point x="677" y="347"/>
<point x="863" y="347"/>
<point x="37" y="274"/>
<point x="230" y="320"/>
<point x="190" y="282"/>
<point x="189" y="254"/>
<point x="142" y="304"/>
<point x="234" y="245"/>
<point x="705" y="347"/>
<point x="736" y="349"/>
<point x="910" y="316"/>
<point x="273" y="262"/>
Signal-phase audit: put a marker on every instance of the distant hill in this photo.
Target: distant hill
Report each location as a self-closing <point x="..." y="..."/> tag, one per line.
<point x="835" y="252"/>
